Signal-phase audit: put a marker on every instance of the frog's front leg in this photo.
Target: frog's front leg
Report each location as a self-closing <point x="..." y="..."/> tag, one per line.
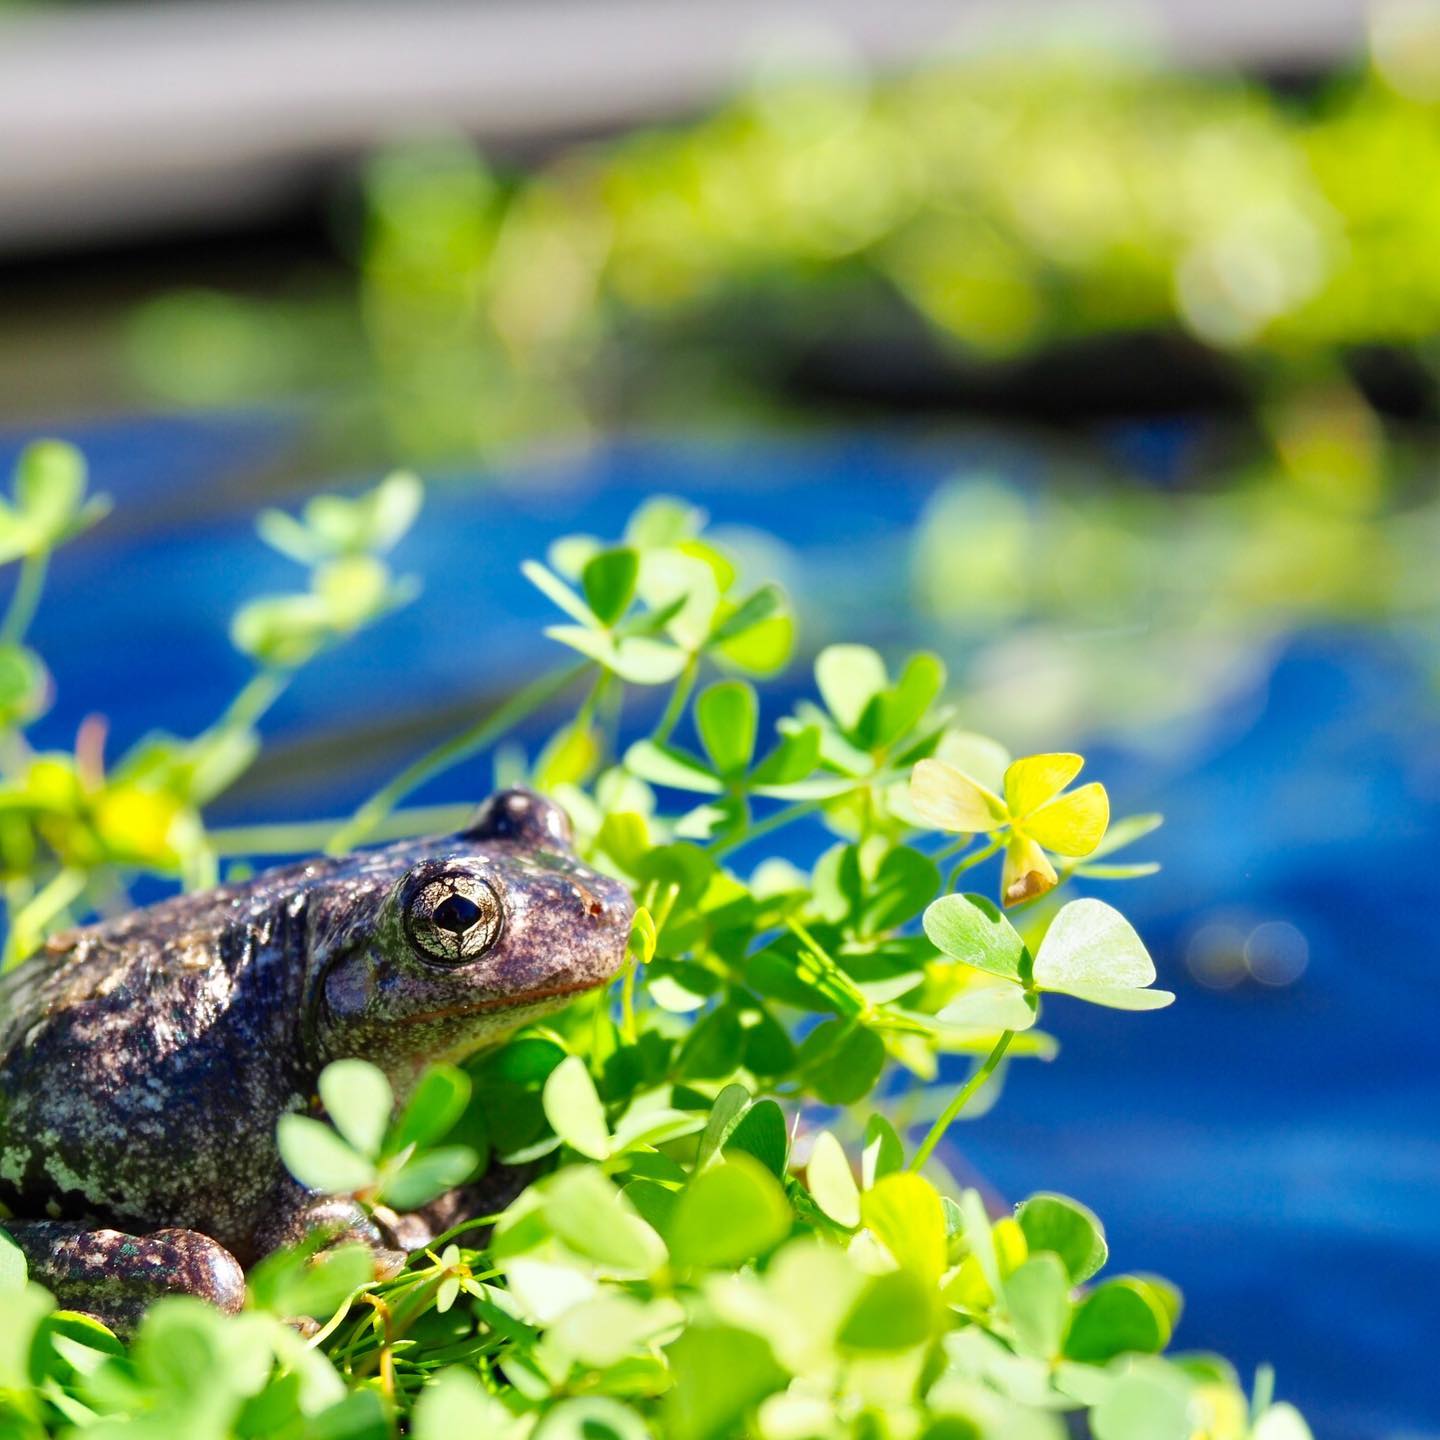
<point x="114" y="1277"/>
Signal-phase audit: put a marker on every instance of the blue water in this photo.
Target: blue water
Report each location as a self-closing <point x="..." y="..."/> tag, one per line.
<point x="1275" y="1151"/>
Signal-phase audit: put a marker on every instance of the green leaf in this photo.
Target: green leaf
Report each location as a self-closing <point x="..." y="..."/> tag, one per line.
<point x="438" y="1102"/>
<point x="848" y="677"/>
<point x="455" y="1403"/>
<point x="1122" y="1315"/>
<point x="903" y="883"/>
<point x="13" y="1270"/>
<point x="841" y="1067"/>
<point x="831" y="1181"/>
<point x="730" y="1104"/>
<point x="591" y="1216"/>
<point x="318" y="1158"/>
<point x="593" y="1417"/>
<point x="1117" y="998"/>
<point x="1037" y="1296"/>
<point x="714" y="1048"/>
<point x="663" y="520"/>
<point x="608" y="581"/>
<point x="1151" y="1401"/>
<point x="906" y="704"/>
<point x="763" y="648"/>
<point x="574" y="1110"/>
<point x="903" y="1211"/>
<point x="720" y="1375"/>
<point x="49" y="488"/>
<point x="726" y="716"/>
<point x="969" y="928"/>
<point x="883" y="1153"/>
<point x="1281" y="1422"/>
<point x="895" y="1311"/>
<point x="758" y="606"/>
<point x="666" y="765"/>
<point x="793" y="759"/>
<point x="990" y="1008"/>
<point x="761" y="1132"/>
<point x="557" y="591"/>
<point x="1091" y="947"/>
<point x="430" y="1174"/>
<point x="1066" y="1228"/>
<point x="358" y="1100"/>
<point x="729" y="1213"/>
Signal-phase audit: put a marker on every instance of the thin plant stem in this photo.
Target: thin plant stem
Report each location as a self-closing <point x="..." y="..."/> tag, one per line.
<point x="770" y="823"/>
<point x="679" y="698"/>
<point x="962" y="1098"/>
<point x="970" y="861"/>
<point x="25" y="598"/>
<point x="256" y="696"/>
<point x="29" y="925"/>
<point x="503" y="718"/>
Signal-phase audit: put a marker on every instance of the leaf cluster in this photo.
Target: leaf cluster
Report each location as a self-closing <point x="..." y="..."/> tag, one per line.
<point x="737" y="1220"/>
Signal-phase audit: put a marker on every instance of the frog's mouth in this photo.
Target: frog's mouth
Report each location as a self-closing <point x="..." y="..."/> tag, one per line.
<point x="538" y="996"/>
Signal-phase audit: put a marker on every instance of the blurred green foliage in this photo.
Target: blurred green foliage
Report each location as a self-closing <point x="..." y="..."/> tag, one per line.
<point x="985" y="211"/>
<point x="689" y="1262"/>
<point x="1008" y="201"/>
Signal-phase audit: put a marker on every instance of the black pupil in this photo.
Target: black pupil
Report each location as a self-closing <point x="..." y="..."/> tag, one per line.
<point x="456" y="913"/>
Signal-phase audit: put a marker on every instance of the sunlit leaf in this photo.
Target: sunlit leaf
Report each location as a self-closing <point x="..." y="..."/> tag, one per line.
<point x="667" y="765"/>
<point x="883" y="1153"/>
<point x="728" y="1214"/>
<point x="430" y="1173"/>
<point x="12" y="1267"/>
<point x="574" y="1109"/>
<point x="984" y="760"/>
<point x="990" y="1007"/>
<point x="832" y="1182"/>
<point x="894" y="1312"/>
<point x="951" y="800"/>
<point x="726" y="716"/>
<point x="318" y="1158"/>
<point x="1037" y="1296"/>
<point x="1091" y="944"/>
<point x="903" y="1211"/>
<point x="1073" y="824"/>
<point x="1121" y="1316"/>
<point x="848" y="677"/>
<point x="358" y="1100"/>
<point x="1031" y="781"/>
<point x="971" y="929"/>
<point x="556" y="590"/>
<point x="1059" y="1224"/>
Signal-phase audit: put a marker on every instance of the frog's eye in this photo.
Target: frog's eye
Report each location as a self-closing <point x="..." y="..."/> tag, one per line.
<point x="453" y="918"/>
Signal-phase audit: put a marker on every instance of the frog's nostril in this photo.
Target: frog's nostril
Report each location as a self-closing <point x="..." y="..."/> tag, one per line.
<point x="591" y="903"/>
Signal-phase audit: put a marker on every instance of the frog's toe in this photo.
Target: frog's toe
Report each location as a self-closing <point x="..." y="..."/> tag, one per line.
<point x="116" y="1277"/>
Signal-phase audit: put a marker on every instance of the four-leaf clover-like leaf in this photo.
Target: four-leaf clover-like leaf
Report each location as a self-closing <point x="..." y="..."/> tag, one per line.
<point x="1091" y="952"/>
<point x="1035" y="809"/>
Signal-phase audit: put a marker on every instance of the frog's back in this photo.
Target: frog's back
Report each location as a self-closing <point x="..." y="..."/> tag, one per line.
<point x="118" y="1037"/>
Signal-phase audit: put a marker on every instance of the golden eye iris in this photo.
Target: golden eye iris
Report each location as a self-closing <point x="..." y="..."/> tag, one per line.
<point x="453" y="918"/>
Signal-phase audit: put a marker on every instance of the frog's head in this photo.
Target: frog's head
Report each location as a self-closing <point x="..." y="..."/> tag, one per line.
<point x="431" y="951"/>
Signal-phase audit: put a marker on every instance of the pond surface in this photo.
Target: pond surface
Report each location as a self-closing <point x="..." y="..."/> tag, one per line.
<point x="1273" y="1148"/>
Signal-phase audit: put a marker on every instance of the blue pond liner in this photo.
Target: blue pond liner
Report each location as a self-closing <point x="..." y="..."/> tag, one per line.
<point x="1275" y="1151"/>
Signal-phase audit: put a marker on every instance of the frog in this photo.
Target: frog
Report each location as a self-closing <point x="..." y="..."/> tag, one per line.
<point x="146" y="1060"/>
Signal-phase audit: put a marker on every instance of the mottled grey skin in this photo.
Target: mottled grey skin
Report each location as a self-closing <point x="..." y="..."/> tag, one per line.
<point x="145" y="1061"/>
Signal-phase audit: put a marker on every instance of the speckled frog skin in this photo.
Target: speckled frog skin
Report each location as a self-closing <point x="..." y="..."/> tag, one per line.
<point x="145" y="1061"/>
